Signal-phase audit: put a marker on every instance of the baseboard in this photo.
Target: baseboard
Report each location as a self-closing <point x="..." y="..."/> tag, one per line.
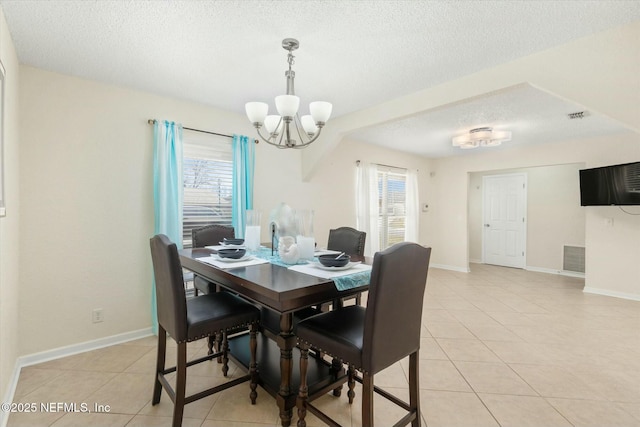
<point x="608" y="293"/>
<point x="9" y="393"/>
<point x="475" y="261"/>
<point x="70" y="350"/>
<point x="449" y="267"/>
<point x="552" y="271"/>
<point x="57" y="353"/>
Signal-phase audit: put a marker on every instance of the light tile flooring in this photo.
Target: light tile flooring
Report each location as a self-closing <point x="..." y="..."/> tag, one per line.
<point x="500" y="347"/>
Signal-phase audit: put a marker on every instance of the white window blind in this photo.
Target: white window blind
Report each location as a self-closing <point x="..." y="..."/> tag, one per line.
<point x="392" y="203"/>
<point x="208" y="174"/>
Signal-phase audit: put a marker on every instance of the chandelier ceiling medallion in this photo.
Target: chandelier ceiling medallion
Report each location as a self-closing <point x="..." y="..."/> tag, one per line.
<point x="481" y="137"/>
<point x="281" y="129"/>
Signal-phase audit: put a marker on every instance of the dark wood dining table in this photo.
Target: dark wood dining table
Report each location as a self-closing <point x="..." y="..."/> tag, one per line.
<point x="282" y="292"/>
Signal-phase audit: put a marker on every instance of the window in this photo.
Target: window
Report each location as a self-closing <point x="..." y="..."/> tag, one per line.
<point x="207" y="171"/>
<point x="392" y="205"/>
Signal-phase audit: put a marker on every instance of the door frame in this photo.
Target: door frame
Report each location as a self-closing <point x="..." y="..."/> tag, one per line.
<point x="524" y="209"/>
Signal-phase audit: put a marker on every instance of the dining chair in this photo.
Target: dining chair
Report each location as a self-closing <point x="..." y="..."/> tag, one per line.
<point x="347" y="240"/>
<point x="351" y="242"/>
<point x="373" y="338"/>
<point x="190" y="320"/>
<point x="208" y="235"/>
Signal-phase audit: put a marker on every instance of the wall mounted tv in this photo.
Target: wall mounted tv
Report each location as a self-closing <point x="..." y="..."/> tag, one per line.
<point x="610" y="185"/>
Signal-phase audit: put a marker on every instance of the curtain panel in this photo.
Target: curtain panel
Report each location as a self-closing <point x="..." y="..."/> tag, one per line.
<point x="168" y="190"/>
<point x="367" y="210"/>
<point x="244" y="159"/>
<point x="412" y="207"/>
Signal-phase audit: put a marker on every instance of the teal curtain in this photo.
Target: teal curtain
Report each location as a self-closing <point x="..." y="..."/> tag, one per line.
<point x="167" y="190"/>
<point x="244" y="159"/>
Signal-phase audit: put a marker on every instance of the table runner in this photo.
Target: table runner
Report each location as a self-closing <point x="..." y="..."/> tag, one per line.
<point x="358" y="275"/>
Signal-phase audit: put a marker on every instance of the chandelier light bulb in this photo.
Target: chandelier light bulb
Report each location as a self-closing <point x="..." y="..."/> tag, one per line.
<point x="256" y="111"/>
<point x="309" y="125"/>
<point x="320" y="111"/>
<point x="273" y="124"/>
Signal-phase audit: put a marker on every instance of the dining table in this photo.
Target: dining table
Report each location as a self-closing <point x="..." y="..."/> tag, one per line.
<point x="280" y="291"/>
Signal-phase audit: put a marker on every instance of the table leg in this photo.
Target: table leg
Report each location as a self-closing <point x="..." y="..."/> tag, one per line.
<point x="286" y="342"/>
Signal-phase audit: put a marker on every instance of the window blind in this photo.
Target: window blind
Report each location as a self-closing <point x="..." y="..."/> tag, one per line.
<point x="208" y="174"/>
<point x="392" y="203"/>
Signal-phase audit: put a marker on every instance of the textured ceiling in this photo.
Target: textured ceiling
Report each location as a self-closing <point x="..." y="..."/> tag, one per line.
<point x="533" y="117"/>
<point x="355" y="54"/>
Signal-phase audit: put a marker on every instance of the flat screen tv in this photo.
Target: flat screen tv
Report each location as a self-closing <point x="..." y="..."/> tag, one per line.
<point x="610" y="185"/>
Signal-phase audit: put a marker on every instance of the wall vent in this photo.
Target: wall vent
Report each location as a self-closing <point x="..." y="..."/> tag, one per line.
<point x="573" y="258"/>
<point x="578" y="115"/>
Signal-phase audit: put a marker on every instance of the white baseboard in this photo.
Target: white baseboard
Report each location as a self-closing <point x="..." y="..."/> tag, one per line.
<point x="608" y="293"/>
<point x="82" y="347"/>
<point x="57" y="353"/>
<point x="475" y="261"/>
<point x="552" y="271"/>
<point x="9" y="393"/>
<point x="450" y="267"/>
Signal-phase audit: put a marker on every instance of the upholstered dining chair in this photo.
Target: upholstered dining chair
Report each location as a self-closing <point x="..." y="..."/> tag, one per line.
<point x="373" y="338"/>
<point x="208" y="235"/>
<point x="347" y="240"/>
<point x="351" y="242"/>
<point x="189" y="320"/>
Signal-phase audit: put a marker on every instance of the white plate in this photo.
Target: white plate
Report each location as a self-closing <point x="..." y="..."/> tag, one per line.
<point x="344" y="267"/>
<point x="244" y="258"/>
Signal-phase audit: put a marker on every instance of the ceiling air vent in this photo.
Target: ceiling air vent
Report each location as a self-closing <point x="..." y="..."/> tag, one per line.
<point x="578" y="115"/>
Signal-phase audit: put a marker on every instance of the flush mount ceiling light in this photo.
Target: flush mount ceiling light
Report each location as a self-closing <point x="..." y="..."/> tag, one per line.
<point x="283" y="128"/>
<point x="481" y="137"/>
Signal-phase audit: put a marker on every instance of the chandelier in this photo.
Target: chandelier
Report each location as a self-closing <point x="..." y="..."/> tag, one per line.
<point x="481" y="137"/>
<point x="283" y="128"/>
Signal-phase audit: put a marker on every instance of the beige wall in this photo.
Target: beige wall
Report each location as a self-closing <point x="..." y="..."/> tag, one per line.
<point x="554" y="215"/>
<point x="9" y="237"/>
<point x="88" y="208"/>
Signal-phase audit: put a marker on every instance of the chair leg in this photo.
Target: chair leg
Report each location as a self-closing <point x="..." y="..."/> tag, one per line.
<point x="414" y="388"/>
<point x="218" y="346"/>
<point x="253" y="364"/>
<point x="303" y="393"/>
<point x="225" y="354"/>
<point x="210" y="343"/>
<point x="367" y="400"/>
<point x="351" y="382"/>
<point x="359" y="299"/>
<point x="181" y="384"/>
<point x="160" y="360"/>
<point x="195" y="291"/>
<point x="336" y="366"/>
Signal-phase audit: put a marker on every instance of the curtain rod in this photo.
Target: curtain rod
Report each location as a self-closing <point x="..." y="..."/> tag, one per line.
<point x="153" y="121"/>
<point x="386" y="166"/>
<point x="380" y="164"/>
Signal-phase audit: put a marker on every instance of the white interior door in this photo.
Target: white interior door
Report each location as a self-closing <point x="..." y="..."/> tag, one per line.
<point x="504" y="220"/>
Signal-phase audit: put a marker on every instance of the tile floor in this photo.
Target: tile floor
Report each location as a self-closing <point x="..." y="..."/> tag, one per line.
<point x="500" y="347"/>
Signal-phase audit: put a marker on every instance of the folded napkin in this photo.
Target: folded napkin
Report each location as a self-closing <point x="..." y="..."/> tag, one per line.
<point x="356" y="276"/>
<point x="226" y="265"/>
<point x="325" y="252"/>
<point x="218" y="247"/>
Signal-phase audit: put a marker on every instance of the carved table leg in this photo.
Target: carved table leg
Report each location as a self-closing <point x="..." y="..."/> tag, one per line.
<point x="286" y="342"/>
<point x="304" y="391"/>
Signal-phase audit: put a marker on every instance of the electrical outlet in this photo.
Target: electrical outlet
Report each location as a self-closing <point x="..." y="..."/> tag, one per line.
<point x="97" y="315"/>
